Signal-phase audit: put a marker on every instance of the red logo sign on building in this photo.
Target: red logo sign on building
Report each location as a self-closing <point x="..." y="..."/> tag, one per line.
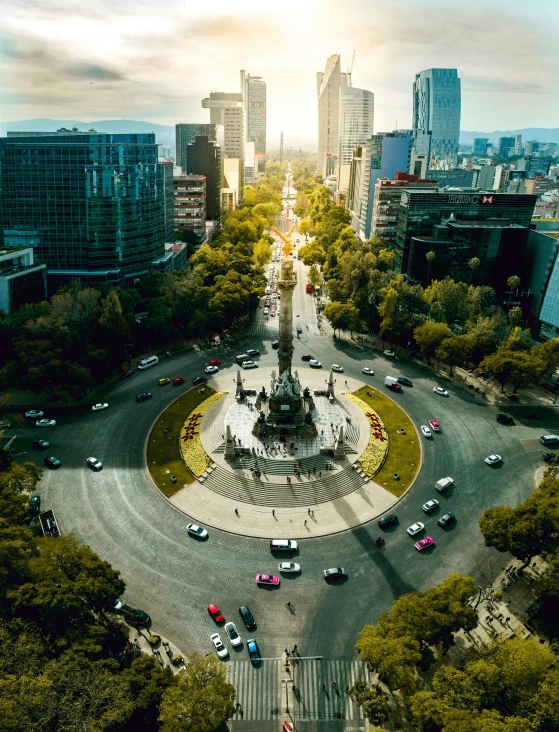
<point x="487" y="199"/>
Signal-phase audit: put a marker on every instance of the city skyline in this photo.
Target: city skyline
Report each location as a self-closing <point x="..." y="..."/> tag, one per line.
<point x="53" y="65"/>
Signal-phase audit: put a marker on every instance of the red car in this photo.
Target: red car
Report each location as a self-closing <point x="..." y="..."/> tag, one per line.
<point x="215" y="613"/>
<point x="424" y="543"/>
<point x="435" y="426"/>
<point x="306" y="357"/>
<point x="267" y="579"/>
<point x="178" y="380"/>
<point x="215" y="362"/>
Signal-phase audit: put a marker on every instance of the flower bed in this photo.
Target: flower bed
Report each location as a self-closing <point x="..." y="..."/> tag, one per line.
<point x="195" y="457"/>
<point x="375" y="453"/>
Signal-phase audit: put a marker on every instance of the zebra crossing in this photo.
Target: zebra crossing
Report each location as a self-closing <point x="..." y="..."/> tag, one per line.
<point x="269" y="329"/>
<point x="261" y="691"/>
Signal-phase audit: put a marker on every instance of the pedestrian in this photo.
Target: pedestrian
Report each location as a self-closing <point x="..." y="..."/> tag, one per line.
<point x="314" y="469"/>
<point x="320" y="473"/>
<point x="309" y="474"/>
<point x="273" y="511"/>
<point x="288" y="479"/>
<point x="295" y="648"/>
<point x="309" y="511"/>
<point x="312" y="514"/>
<point x="334" y="684"/>
<point x="324" y="687"/>
<point x="507" y="620"/>
<point x="305" y="522"/>
<point x="347" y="688"/>
<point x="236" y="512"/>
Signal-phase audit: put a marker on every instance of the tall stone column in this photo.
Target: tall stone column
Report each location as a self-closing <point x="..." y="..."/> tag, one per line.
<point x="286" y="285"/>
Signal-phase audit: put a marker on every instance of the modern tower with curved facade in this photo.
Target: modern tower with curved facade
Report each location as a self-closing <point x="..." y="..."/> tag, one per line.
<point x="436" y="114"/>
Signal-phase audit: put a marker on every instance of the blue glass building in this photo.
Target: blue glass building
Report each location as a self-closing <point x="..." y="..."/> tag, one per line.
<point x="436" y="113"/>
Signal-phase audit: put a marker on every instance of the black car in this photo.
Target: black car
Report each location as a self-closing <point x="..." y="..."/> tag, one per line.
<point x="143" y="396"/>
<point x="335" y="573"/>
<point x="52" y="462"/>
<point x="253" y="352"/>
<point x="504" y="419"/>
<point x="549" y="457"/>
<point x="127" y="374"/>
<point x="199" y="380"/>
<point x="40" y="444"/>
<point x="35" y="505"/>
<point x="275" y="344"/>
<point x="388" y="520"/>
<point x="247" y="617"/>
<point x="531" y="415"/>
<point x="404" y="381"/>
<point x="132" y="615"/>
<point x="446" y="520"/>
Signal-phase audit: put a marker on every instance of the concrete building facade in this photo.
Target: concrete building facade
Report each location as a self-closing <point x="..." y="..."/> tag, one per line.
<point x="189" y="198"/>
<point x="253" y="89"/>
<point x="329" y="84"/>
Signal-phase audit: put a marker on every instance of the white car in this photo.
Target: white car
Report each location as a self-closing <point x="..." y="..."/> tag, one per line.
<point x="249" y="365"/>
<point x="440" y="391"/>
<point x="211" y="369"/>
<point x="338" y="368"/>
<point x="368" y="371"/>
<point x="34" y="414"/>
<point x="314" y="364"/>
<point x="266" y="311"/>
<point x="222" y="652"/>
<point x="197" y="531"/>
<point x="45" y="423"/>
<point x="416" y="528"/>
<point x="99" y="407"/>
<point x="442" y="484"/>
<point x="389" y="354"/>
<point x="493" y="459"/>
<point x="94" y="463"/>
<point x="234" y="637"/>
<point x="425" y="430"/>
<point x="289" y="567"/>
<point x="430" y="505"/>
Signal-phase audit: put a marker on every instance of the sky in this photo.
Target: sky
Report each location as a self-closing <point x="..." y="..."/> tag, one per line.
<point x="155" y="60"/>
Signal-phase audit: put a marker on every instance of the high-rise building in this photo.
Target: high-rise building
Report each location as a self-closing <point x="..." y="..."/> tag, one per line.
<point x="356" y="127"/>
<point x="168" y="204"/>
<point x="90" y="204"/>
<point x="185" y="133"/>
<point x="189" y="192"/>
<point x="22" y="281"/>
<point x="253" y="89"/>
<point x="204" y="158"/>
<point x="506" y="146"/>
<point x="480" y="146"/>
<point x="518" y="146"/>
<point x="227" y="110"/>
<point x="329" y="84"/>
<point x="436" y="113"/>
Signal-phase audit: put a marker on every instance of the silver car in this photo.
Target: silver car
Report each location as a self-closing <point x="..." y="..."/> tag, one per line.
<point x="234" y="636"/>
<point x="222" y="652"/>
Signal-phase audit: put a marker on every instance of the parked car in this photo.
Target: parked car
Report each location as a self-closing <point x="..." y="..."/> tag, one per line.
<point x="440" y="391"/>
<point x="446" y="520"/>
<point x="368" y="371"/>
<point x="99" y="407"/>
<point x="215" y="613"/>
<point x="234" y="637"/>
<point x="334" y="573"/>
<point x="389" y="520"/>
<point x="249" y="365"/>
<point x="52" y="462"/>
<point x="389" y="354"/>
<point x="416" y="528"/>
<point x="493" y="459"/>
<point x="35" y="505"/>
<point x="306" y="357"/>
<point x="430" y="505"/>
<point x="45" y="423"/>
<point x="199" y="380"/>
<point x="338" y="368"/>
<point x="504" y="419"/>
<point x="531" y="415"/>
<point x="40" y="444"/>
<point x="94" y="463"/>
<point x="222" y="652"/>
<point x="198" y="531"/>
<point x="248" y="619"/>
<point x="143" y="396"/>
<point x="132" y="615"/>
<point x="252" y="352"/>
<point x="403" y="380"/>
<point x="178" y="380"/>
<point x="275" y="345"/>
<point x="34" y="414"/>
<point x="425" y="543"/>
<point x="163" y="381"/>
<point x="127" y="374"/>
<point x="289" y="567"/>
<point x="550" y="457"/>
<point x="253" y="652"/>
<point x="267" y="579"/>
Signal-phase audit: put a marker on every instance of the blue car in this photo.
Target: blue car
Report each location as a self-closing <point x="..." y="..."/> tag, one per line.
<point x="253" y="652"/>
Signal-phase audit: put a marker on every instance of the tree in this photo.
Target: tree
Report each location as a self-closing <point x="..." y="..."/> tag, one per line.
<point x="305" y="228"/>
<point x="430" y="335"/>
<point x="430" y="257"/>
<point x="312" y="253"/>
<point x="314" y="275"/>
<point x="146" y="682"/>
<point x="455" y="351"/>
<point x="373" y="701"/>
<point x="514" y="367"/>
<point x="515" y="315"/>
<point x="393" y="658"/>
<point x="342" y="316"/>
<point x="448" y="301"/>
<point x="473" y="265"/>
<point x="262" y="252"/>
<point x="201" y="699"/>
<point x="113" y="321"/>
<point x="514" y="282"/>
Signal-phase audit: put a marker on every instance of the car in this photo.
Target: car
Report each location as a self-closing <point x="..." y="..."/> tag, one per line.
<point x="45" y="423"/>
<point x="234" y="637"/>
<point x="549" y="457"/>
<point x="275" y="345"/>
<point x="306" y="357"/>
<point x="52" y="462"/>
<point x="178" y="380"/>
<point x="314" y="364"/>
<point x="248" y="619"/>
<point x="127" y="374"/>
<point x="403" y="380"/>
<point x="249" y="365"/>
<point x="143" y="396"/>
<point x="368" y="371"/>
<point x="94" y="463"/>
<point x="424" y="543"/>
<point x="266" y="311"/>
<point x="40" y="444"/>
<point x="444" y="483"/>
<point x="35" y="505"/>
<point x="164" y="381"/>
<point x="253" y="352"/>
<point x="267" y="579"/>
<point x="389" y="520"/>
<point x="34" y="414"/>
<point x="504" y="419"/>
<point x="435" y="426"/>
<point x="211" y="369"/>
<point x="440" y="391"/>
<point x="430" y="505"/>
<point x="531" y="415"/>
<point x="493" y="459"/>
<point x="446" y="520"/>
<point x="416" y="528"/>
<point x="215" y="362"/>
<point x="99" y="407"/>
<point x="338" y="368"/>
<point x="131" y="614"/>
<point x="253" y="651"/>
<point x="426" y="431"/>
<point x="199" y="380"/>
<point x="215" y="613"/>
<point x="222" y="652"/>
<point x="198" y="531"/>
<point x="289" y="567"/>
<point x="334" y="573"/>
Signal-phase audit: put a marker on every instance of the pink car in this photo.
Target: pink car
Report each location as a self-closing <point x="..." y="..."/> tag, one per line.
<point x="424" y="543"/>
<point x="435" y="426"/>
<point x="267" y="579"/>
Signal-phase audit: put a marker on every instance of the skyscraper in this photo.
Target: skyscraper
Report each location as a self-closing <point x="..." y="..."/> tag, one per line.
<point x="253" y="89"/>
<point x="506" y="146"/>
<point x="356" y="127"/>
<point x="204" y="158"/>
<point x="186" y="133"/>
<point x="436" y="113"/>
<point x="480" y="145"/>
<point x="329" y="83"/>
<point x="227" y="110"/>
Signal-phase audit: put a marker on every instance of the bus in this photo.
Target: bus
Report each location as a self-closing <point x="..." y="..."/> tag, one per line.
<point x="309" y="288"/>
<point x="146" y="363"/>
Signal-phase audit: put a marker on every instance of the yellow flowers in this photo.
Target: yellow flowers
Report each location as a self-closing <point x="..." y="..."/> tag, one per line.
<point x="373" y="457"/>
<point x="195" y="457"/>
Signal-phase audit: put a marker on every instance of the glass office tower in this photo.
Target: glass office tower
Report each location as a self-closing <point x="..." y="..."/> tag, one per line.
<point x="90" y="204"/>
<point x="436" y="113"/>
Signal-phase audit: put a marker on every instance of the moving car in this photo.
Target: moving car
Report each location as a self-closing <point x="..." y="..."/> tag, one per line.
<point x="424" y="543"/>
<point x="164" y="381"/>
<point x="222" y="652"/>
<point x="446" y="520"/>
<point x="334" y="573"/>
<point x="426" y="431"/>
<point x="416" y="528"/>
<point x="178" y="380"/>
<point x="253" y="652"/>
<point x="338" y="368"/>
<point x="249" y="365"/>
<point x="199" y="380"/>
<point x="440" y="391"/>
<point x="34" y="414"/>
<point x="127" y="374"/>
<point x="143" y="396"/>
<point x="94" y="463"/>
<point x="493" y="459"/>
<point x="314" y="364"/>
<point x="391" y="382"/>
<point x="45" y="423"/>
<point x="306" y="357"/>
<point x="368" y="371"/>
<point x="275" y="345"/>
<point x="215" y="613"/>
<point x="40" y="444"/>
<point x="198" y="531"/>
<point x="52" y="462"/>
<point x="99" y="407"/>
<point x="253" y="352"/>
<point x="430" y="505"/>
<point x="267" y="579"/>
<point x="266" y="311"/>
<point x="283" y="545"/>
<point x="389" y="354"/>
<point x="442" y="484"/>
<point x="403" y="380"/>
<point x="289" y="567"/>
<point x="132" y="615"/>
<point x="248" y="619"/>
<point x="234" y="638"/>
<point x="504" y="419"/>
<point x="215" y="362"/>
<point x="211" y="369"/>
<point x="389" y="520"/>
<point x="435" y="426"/>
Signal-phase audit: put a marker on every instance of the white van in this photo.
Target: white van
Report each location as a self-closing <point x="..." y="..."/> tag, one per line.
<point x="146" y="363"/>
<point x="549" y="439"/>
<point x="442" y="484"/>
<point x="283" y="545"/>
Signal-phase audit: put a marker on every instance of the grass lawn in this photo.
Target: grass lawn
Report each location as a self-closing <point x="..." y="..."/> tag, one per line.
<point x="163" y="452"/>
<point x="404" y="455"/>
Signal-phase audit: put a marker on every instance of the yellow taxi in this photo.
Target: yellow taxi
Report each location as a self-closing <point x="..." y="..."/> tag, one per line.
<point x="164" y="381"/>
